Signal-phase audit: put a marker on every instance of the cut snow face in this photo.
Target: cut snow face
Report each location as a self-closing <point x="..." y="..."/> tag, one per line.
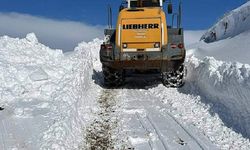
<point x="225" y="87"/>
<point x="44" y="95"/>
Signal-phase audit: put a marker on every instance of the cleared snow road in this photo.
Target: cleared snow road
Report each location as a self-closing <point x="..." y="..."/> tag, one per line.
<point x="133" y="118"/>
<point x="150" y="126"/>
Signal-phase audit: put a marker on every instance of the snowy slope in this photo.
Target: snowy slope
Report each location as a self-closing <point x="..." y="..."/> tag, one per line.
<point x="232" y="38"/>
<point x="233" y="23"/>
<point x="235" y="49"/>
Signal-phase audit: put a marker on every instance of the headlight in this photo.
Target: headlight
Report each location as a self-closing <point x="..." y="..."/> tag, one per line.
<point x="125" y="45"/>
<point x="157" y="45"/>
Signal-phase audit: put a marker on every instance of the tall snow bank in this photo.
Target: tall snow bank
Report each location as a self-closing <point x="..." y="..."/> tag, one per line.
<point x="233" y="23"/>
<point x="226" y="87"/>
<point x="75" y="97"/>
<point x="45" y="95"/>
<point x="93" y="47"/>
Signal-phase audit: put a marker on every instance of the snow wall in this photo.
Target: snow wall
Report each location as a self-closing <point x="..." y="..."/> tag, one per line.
<point x="226" y="87"/>
<point x="46" y="92"/>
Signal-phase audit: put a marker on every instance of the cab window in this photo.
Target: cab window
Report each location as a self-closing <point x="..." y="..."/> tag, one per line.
<point x="145" y="3"/>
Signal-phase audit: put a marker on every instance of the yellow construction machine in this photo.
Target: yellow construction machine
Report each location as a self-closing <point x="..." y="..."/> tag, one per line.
<point x="142" y="40"/>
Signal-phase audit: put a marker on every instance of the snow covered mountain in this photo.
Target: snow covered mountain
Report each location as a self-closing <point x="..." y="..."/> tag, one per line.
<point x="232" y="41"/>
<point x="232" y="24"/>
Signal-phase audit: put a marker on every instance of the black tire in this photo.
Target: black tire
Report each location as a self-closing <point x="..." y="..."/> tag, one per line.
<point x="174" y="79"/>
<point x="112" y="77"/>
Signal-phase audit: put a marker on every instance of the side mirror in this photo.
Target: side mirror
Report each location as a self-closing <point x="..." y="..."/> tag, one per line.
<point x="170" y="8"/>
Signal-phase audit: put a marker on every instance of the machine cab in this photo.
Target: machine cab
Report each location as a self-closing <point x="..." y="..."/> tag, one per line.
<point x="141" y="27"/>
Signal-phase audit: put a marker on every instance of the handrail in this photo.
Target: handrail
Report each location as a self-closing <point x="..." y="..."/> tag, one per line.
<point x="109" y="17"/>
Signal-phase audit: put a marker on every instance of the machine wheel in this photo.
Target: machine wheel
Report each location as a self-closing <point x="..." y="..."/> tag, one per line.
<point x="112" y="77"/>
<point x="174" y="79"/>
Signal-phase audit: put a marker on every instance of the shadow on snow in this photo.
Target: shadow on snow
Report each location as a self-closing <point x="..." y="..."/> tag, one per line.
<point x="136" y="80"/>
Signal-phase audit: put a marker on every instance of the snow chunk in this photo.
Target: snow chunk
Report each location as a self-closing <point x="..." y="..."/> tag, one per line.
<point x="39" y="75"/>
<point x="31" y="37"/>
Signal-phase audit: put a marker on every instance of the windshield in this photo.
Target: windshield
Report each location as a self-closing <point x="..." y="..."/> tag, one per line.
<point x="145" y="3"/>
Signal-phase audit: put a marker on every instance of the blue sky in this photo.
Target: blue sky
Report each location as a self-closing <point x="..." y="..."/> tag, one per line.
<point x="198" y="14"/>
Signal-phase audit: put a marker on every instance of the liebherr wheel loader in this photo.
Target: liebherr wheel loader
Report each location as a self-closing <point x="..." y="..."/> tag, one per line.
<point x="143" y="41"/>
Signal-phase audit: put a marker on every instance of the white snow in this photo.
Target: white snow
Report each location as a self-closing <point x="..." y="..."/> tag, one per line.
<point x="53" y="100"/>
<point x="225" y="86"/>
<point x="218" y="72"/>
<point x="31" y="37"/>
<point x="190" y="108"/>
<point x="45" y="95"/>
<point x="38" y="75"/>
<point x="221" y="81"/>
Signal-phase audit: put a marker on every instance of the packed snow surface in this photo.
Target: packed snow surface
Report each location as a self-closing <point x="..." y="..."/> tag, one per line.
<point x="53" y="100"/>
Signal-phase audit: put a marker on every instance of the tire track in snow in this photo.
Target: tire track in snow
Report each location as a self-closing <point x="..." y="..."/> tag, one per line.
<point x="144" y="122"/>
<point x="164" y="130"/>
<point x="100" y="133"/>
<point x="2" y="133"/>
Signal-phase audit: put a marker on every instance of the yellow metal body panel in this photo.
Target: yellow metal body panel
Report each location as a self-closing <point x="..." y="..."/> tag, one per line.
<point x="141" y="28"/>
